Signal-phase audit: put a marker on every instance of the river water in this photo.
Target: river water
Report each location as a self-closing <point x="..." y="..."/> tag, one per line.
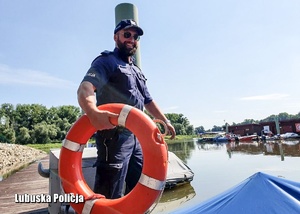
<point x="218" y="167"/>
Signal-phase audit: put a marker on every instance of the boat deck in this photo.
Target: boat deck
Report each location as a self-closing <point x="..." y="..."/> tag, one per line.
<point x="25" y="181"/>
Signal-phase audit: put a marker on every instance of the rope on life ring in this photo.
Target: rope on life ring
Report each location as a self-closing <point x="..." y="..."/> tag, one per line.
<point x="154" y="172"/>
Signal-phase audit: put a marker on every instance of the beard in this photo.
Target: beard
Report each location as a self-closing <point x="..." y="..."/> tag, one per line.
<point x="126" y="51"/>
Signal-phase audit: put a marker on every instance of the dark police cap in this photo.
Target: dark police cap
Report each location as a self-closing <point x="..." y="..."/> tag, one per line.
<point x="128" y="23"/>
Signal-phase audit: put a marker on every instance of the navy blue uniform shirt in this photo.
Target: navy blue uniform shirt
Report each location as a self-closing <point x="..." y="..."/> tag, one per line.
<point x="117" y="81"/>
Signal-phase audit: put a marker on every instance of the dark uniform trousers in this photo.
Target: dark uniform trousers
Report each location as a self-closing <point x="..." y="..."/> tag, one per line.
<point x="119" y="162"/>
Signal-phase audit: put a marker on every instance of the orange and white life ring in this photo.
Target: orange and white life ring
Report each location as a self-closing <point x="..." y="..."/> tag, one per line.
<point x="155" y="161"/>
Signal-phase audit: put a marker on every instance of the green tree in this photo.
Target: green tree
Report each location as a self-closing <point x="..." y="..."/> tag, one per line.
<point x="9" y="134"/>
<point x="52" y="115"/>
<point x="180" y="123"/>
<point x="6" y="112"/>
<point x="217" y="128"/>
<point x="284" y="116"/>
<point x="179" y="128"/>
<point x="23" y="116"/>
<point x="249" y="121"/>
<point x="199" y="129"/>
<point x="39" y="113"/>
<point x="28" y="115"/>
<point x="35" y="123"/>
<point x="43" y="133"/>
<point x="190" y="130"/>
<point x="23" y="136"/>
<point x="71" y="113"/>
<point x="7" y="131"/>
<point x="63" y="126"/>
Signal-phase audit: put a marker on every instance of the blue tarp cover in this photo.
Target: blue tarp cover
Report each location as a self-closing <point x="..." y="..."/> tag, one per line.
<point x="260" y="194"/>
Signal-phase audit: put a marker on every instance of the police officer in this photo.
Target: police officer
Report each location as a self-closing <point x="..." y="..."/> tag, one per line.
<point x="114" y="78"/>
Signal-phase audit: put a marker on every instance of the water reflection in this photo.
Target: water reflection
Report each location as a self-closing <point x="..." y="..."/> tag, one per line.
<point x="182" y="149"/>
<point x="173" y="198"/>
<point x="282" y="148"/>
<point x="210" y="146"/>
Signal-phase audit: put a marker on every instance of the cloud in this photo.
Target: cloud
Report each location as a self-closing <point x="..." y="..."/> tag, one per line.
<point x="266" y="97"/>
<point x="13" y="76"/>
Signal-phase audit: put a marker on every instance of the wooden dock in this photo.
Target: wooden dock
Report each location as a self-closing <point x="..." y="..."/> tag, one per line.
<point x="25" y="181"/>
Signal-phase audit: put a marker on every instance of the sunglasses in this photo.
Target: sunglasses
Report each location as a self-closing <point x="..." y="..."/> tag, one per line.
<point x="128" y="35"/>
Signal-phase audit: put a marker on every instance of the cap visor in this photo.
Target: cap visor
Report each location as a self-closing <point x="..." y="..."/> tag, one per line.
<point x="138" y="29"/>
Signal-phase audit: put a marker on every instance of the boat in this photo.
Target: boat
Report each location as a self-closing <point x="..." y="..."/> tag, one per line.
<point x="209" y="136"/>
<point x="264" y="193"/>
<point x="233" y="137"/>
<point x="178" y="172"/>
<point x="252" y="137"/>
<point x="220" y="138"/>
<point x="269" y="138"/>
<point x="289" y="135"/>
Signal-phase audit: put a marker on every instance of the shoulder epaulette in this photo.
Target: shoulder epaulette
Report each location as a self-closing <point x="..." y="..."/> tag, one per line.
<point x="104" y="53"/>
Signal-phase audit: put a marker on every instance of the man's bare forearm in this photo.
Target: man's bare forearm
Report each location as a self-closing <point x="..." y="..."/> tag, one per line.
<point x="86" y="97"/>
<point x="154" y="110"/>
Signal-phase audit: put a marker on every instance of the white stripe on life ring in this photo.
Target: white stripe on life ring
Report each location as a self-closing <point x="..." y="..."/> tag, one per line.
<point x="88" y="205"/>
<point x="123" y="115"/>
<point x="73" y="146"/>
<point x="152" y="183"/>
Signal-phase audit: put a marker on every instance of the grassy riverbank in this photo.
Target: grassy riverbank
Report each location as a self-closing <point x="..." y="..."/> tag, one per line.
<point x="46" y="147"/>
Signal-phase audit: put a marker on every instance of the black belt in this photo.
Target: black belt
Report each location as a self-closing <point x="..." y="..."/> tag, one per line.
<point x="110" y="133"/>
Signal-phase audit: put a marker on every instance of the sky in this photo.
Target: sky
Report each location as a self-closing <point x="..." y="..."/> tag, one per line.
<point x="213" y="61"/>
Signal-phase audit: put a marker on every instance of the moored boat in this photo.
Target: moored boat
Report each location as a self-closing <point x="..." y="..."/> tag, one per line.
<point x="209" y="136"/>
<point x="178" y="172"/>
<point x="221" y="138"/>
<point x="248" y="138"/>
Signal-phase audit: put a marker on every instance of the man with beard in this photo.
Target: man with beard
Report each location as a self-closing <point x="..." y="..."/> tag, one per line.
<point x="115" y="78"/>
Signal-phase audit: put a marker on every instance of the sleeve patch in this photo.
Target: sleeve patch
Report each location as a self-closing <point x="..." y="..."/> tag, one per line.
<point x="90" y="74"/>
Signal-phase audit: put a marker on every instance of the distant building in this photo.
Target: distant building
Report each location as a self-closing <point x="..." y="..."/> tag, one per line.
<point x="284" y="127"/>
<point x="246" y="129"/>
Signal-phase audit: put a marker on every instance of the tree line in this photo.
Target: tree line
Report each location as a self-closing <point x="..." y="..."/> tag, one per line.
<point x="34" y="123"/>
<point x="37" y="124"/>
